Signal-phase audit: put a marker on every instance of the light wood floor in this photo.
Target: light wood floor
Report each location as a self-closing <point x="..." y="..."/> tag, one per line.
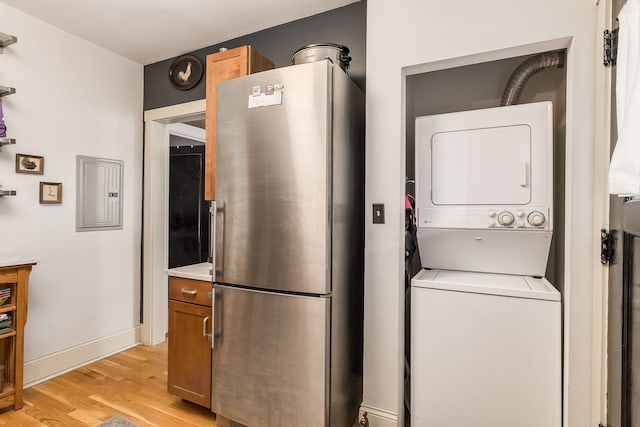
<point x="132" y="383"/>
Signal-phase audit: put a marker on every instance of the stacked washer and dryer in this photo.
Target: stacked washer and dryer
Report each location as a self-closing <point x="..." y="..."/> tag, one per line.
<point x="485" y="323"/>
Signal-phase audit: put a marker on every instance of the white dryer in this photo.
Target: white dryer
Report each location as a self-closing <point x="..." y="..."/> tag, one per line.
<point x="484" y="189"/>
<point x="485" y="350"/>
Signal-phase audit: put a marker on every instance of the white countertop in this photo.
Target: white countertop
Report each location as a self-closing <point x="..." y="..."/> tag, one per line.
<point x="10" y="261"/>
<point x="200" y="271"/>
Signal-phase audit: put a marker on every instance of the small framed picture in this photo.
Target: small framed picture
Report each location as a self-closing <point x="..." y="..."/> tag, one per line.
<point x="50" y="192"/>
<point x="27" y="163"/>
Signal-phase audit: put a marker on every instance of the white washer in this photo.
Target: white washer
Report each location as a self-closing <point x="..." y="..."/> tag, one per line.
<point x="485" y="350"/>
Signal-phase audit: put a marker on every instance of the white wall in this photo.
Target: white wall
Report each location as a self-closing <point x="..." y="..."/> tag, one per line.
<point x="440" y="34"/>
<point x="72" y="97"/>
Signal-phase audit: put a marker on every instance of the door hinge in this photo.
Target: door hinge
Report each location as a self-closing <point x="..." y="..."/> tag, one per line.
<point x="606" y="246"/>
<point x="610" y="47"/>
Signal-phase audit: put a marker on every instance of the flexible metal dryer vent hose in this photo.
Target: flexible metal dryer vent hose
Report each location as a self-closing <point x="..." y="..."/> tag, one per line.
<point x="528" y="68"/>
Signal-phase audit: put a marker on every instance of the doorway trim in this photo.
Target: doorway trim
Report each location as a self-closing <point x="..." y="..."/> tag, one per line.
<point x="186" y="131"/>
<point x="154" y="217"/>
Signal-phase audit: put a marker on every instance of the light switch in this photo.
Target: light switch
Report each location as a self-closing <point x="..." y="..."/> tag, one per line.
<point x="378" y="213"/>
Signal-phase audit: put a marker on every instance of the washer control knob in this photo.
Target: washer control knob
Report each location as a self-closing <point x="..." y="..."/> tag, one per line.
<point x="492" y="214"/>
<point x="536" y="218"/>
<point x="519" y="224"/>
<point x="519" y="214"/>
<point x="492" y="223"/>
<point x="505" y="218"/>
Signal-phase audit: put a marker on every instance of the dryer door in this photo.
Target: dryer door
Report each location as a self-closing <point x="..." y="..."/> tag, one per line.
<point x="489" y="166"/>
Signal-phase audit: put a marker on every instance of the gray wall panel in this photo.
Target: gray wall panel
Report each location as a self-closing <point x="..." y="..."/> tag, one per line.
<point x="345" y="26"/>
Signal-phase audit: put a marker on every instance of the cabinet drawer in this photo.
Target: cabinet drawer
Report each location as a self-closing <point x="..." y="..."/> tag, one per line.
<point x="189" y="290"/>
<point x="9" y="276"/>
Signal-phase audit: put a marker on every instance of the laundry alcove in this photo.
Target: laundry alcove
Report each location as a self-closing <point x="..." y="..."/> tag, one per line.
<point x="473" y="83"/>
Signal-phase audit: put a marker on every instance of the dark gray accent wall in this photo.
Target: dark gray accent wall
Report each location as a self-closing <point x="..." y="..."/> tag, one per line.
<point x="345" y="26"/>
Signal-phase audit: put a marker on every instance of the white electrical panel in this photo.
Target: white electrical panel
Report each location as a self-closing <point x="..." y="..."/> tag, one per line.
<point x="99" y="194"/>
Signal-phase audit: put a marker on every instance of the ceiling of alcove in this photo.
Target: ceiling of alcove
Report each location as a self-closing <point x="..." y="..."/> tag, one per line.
<point x="148" y="31"/>
<point x="197" y="123"/>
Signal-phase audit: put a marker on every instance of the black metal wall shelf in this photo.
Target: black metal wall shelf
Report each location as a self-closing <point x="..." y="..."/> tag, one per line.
<point x="7" y="192"/>
<point x="6" y="40"/>
<point x="6" y="141"/>
<point x="6" y="90"/>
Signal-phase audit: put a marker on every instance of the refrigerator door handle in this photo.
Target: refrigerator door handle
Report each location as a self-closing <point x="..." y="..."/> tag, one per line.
<point x="218" y="266"/>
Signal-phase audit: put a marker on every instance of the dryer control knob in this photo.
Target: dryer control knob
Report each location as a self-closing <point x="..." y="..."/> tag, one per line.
<point x="519" y="224"/>
<point x="492" y="214"/>
<point x="536" y="218"/>
<point x="492" y="223"/>
<point x="519" y="214"/>
<point x="505" y="218"/>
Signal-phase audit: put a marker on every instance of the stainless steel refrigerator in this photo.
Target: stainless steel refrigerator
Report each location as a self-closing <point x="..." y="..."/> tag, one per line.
<point x="288" y="292"/>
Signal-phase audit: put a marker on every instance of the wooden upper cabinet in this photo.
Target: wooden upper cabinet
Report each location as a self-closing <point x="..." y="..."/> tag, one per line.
<point x="222" y="66"/>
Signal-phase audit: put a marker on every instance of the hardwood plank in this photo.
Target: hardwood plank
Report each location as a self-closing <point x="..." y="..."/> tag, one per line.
<point x="124" y="408"/>
<point x="49" y="411"/>
<point x="75" y="395"/>
<point x="87" y="417"/>
<point x="19" y="418"/>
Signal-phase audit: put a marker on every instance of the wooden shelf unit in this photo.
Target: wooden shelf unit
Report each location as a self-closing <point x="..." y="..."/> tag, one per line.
<point x="15" y="277"/>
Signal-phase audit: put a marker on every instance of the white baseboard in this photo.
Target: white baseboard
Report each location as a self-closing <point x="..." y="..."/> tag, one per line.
<point x="379" y="417"/>
<point x="52" y="365"/>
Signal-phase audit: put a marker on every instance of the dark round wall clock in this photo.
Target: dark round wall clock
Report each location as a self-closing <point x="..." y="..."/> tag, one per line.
<point x="185" y="72"/>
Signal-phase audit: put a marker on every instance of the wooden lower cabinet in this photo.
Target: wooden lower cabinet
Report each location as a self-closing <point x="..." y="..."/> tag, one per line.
<point x="189" y="349"/>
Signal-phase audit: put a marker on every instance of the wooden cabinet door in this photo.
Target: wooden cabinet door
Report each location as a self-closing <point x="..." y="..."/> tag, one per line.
<point x="189" y="358"/>
<point x="222" y="66"/>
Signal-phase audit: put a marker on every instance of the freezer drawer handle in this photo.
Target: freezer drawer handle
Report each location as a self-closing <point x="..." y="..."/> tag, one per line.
<point x="216" y="306"/>
<point x="213" y="210"/>
<point x="204" y="328"/>
<point x="189" y="291"/>
<point x="213" y="321"/>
